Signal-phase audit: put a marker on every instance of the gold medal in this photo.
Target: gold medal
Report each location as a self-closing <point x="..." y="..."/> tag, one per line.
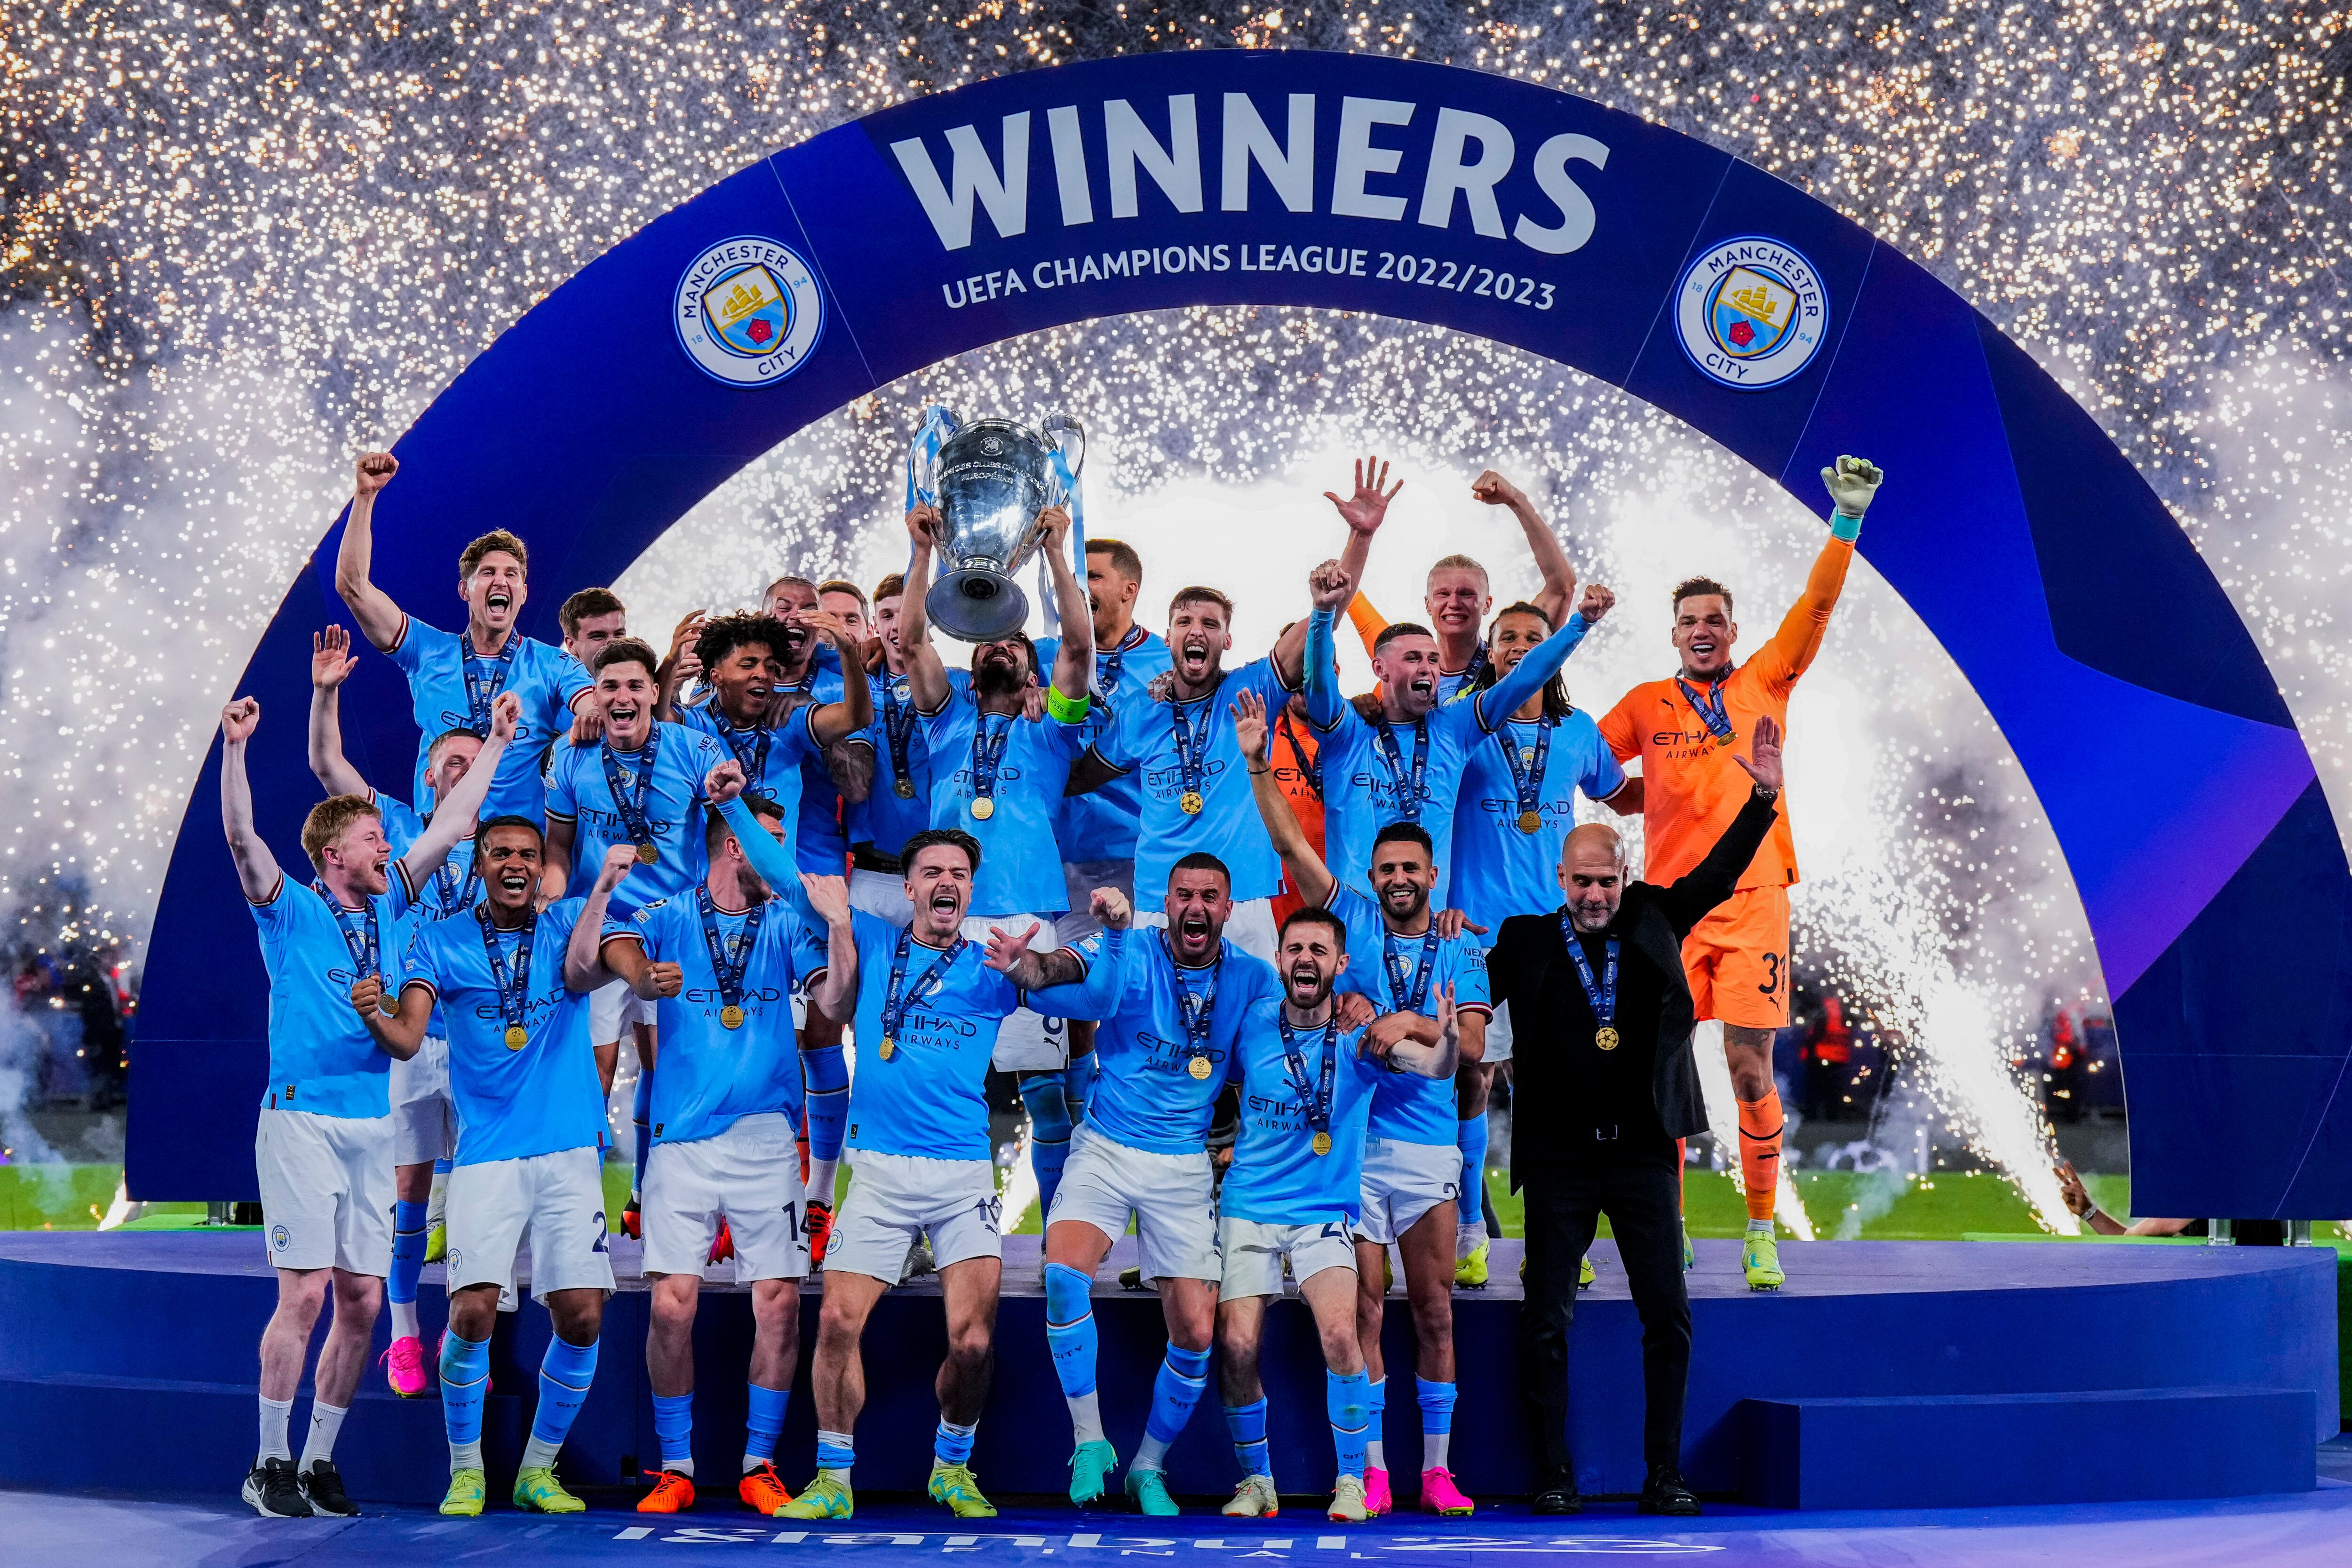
<point x="888" y="1048"/>
<point x="1199" y="1069"/>
<point x="649" y="853"/>
<point x="517" y="1036"/>
<point x="1322" y="1144"/>
<point x="905" y="789"/>
<point x="388" y="1005"/>
<point x="1530" y="821"/>
<point x="1191" y="803"/>
<point x="1606" y="1038"/>
<point x="983" y="808"/>
<point x="731" y="1016"/>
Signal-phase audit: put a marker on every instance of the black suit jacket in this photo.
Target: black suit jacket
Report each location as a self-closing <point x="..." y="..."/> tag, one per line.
<point x="1651" y="920"/>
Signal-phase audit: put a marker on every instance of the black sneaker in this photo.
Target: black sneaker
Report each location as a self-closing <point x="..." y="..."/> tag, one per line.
<point x="1666" y="1492"/>
<point x="1558" y="1494"/>
<point x="273" y="1491"/>
<point x="323" y="1485"/>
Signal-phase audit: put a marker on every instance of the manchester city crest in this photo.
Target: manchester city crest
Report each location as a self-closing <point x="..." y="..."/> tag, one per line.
<point x="749" y="312"/>
<point x="1751" y="313"/>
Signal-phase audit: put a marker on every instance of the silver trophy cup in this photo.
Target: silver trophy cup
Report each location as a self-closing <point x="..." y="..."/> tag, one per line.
<point x="992" y="478"/>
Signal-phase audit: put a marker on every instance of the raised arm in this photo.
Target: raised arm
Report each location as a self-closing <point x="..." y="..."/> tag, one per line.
<point x="1369" y="622"/>
<point x="455" y="814"/>
<point x="836" y="721"/>
<point x="1097" y="996"/>
<point x="1559" y="590"/>
<point x="926" y="677"/>
<point x="771" y="861"/>
<point x="1713" y="879"/>
<point x="555" y="872"/>
<point x="256" y="868"/>
<point x="1074" y="662"/>
<point x="1363" y="512"/>
<point x="584" y="963"/>
<point x="332" y="662"/>
<point x="1307" y="873"/>
<point x="379" y="619"/>
<point x="1496" y="704"/>
<point x="1851" y="484"/>
<point x="1330" y="587"/>
<point x="836" y="992"/>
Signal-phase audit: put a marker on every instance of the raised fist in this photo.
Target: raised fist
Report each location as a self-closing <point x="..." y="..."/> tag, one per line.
<point x="375" y="470"/>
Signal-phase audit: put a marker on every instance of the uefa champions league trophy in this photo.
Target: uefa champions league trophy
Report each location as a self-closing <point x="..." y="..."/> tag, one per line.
<point x="989" y="480"/>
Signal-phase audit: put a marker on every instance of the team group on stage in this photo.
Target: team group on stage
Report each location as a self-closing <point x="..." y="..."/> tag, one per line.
<point x="1158" y="887"/>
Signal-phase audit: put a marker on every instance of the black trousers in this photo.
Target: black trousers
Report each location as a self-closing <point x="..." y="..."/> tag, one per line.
<point x="1640" y="1189"/>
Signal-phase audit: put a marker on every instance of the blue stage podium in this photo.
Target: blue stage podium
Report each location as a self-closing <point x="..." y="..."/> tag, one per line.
<point x="1887" y="1375"/>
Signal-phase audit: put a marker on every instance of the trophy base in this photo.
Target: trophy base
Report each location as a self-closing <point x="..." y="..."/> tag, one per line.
<point x="976" y="605"/>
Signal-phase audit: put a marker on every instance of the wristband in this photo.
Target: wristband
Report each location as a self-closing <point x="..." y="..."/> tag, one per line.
<point x="1845" y="527"/>
<point x="1068" y="709"/>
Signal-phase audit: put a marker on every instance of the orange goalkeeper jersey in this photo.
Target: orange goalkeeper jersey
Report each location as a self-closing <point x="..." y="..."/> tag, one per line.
<point x="1691" y="788"/>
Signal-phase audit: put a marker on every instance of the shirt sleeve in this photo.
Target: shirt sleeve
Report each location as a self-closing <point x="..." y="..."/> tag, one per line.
<point x="1790" y="651"/>
<point x="1369" y="622"/>
<point x="562" y="803"/>
<point x="641" y="925"/>
<point x="421" y="964"/>
<point x="568" y="676"/>
<point x="1472" y="991"/>
<point x="408" y="649"/>
<point x="770" y="859"/>
<point x="1618" y="732"/>
<point x="1114" y="742"/>
<point x="1097" y="996"/>
<point x="1602" y="778"/>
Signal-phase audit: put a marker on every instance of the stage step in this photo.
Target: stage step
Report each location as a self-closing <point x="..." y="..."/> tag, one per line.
<point x="199" y="1436"/>
<point x="1978" y="1450"/>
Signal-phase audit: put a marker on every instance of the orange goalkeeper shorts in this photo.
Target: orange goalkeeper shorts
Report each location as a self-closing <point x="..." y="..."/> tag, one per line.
<point x="1736" y="960"/>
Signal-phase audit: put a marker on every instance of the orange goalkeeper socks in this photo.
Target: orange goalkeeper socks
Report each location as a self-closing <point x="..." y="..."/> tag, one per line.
<point x="1759" y="1151"/>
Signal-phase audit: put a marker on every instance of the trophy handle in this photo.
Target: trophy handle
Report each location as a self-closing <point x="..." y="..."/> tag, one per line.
<point x="1065" y="431"/>
<point x="923" y="454"/>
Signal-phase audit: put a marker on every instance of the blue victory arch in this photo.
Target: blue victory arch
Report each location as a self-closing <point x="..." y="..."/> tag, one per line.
<point x="2186" y="806"/>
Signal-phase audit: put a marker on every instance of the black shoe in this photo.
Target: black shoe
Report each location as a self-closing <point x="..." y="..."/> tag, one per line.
<point x="1666" y="1492"/>
<point x="1558" y="1495"/>
<point x="323" y="1485"/>
<point x="274" y="1492"/>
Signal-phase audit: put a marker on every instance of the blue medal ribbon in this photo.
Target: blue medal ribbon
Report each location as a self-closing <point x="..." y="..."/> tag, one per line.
<point x="755" y="765"/>
<point x="1710" y="708"/>
<point x="367" y="953"/>
<point x="728" y="961"/>
<point x="1108" y="668"/>
<point x="1403" y="998"/>
<point x="514" y="992"/>
<point x="989" y="736"/>
<point x="1315" y="1094"/>
<point x="898" y="730"/>
<point x="483" y="686"/>
<point x="1311" y="768"/>
<point x="1526" y="778"/>
<point x="1600" y="993"/>
<point x="1192" y="741"/>
<point x="1410" y="794"/>
<point x="1196" y="1011"/>
<point x="449" y="893"/>
<point x="631" y="804"/>
<point x="894" y="1010"/>
<point x="1477" y="667"/>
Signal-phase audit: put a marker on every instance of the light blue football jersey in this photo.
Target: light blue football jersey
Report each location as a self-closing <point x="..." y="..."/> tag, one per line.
<point x="1148" y="1093"/>
<point x="773" y="758"/>
<point x="1276" y="1177"/>
<point x="1019" y="865"/>
<point x="1102" y="825"/>
<point x="928" y="1099"/>
<point x="1367" y="786"/>
<point x="1499" y="871"/>
<point x="821" y="841"/>
<point x="902" y="751"/>
<point x="711" y="1075"/>
<point x="579" y="792"/>
<point x="545" y="679"/>
<point x="512" y="1104"/>
<point x="1391" y="971"/>
<point x="321" y="1057"/>
<point x="1141" y="743"/>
